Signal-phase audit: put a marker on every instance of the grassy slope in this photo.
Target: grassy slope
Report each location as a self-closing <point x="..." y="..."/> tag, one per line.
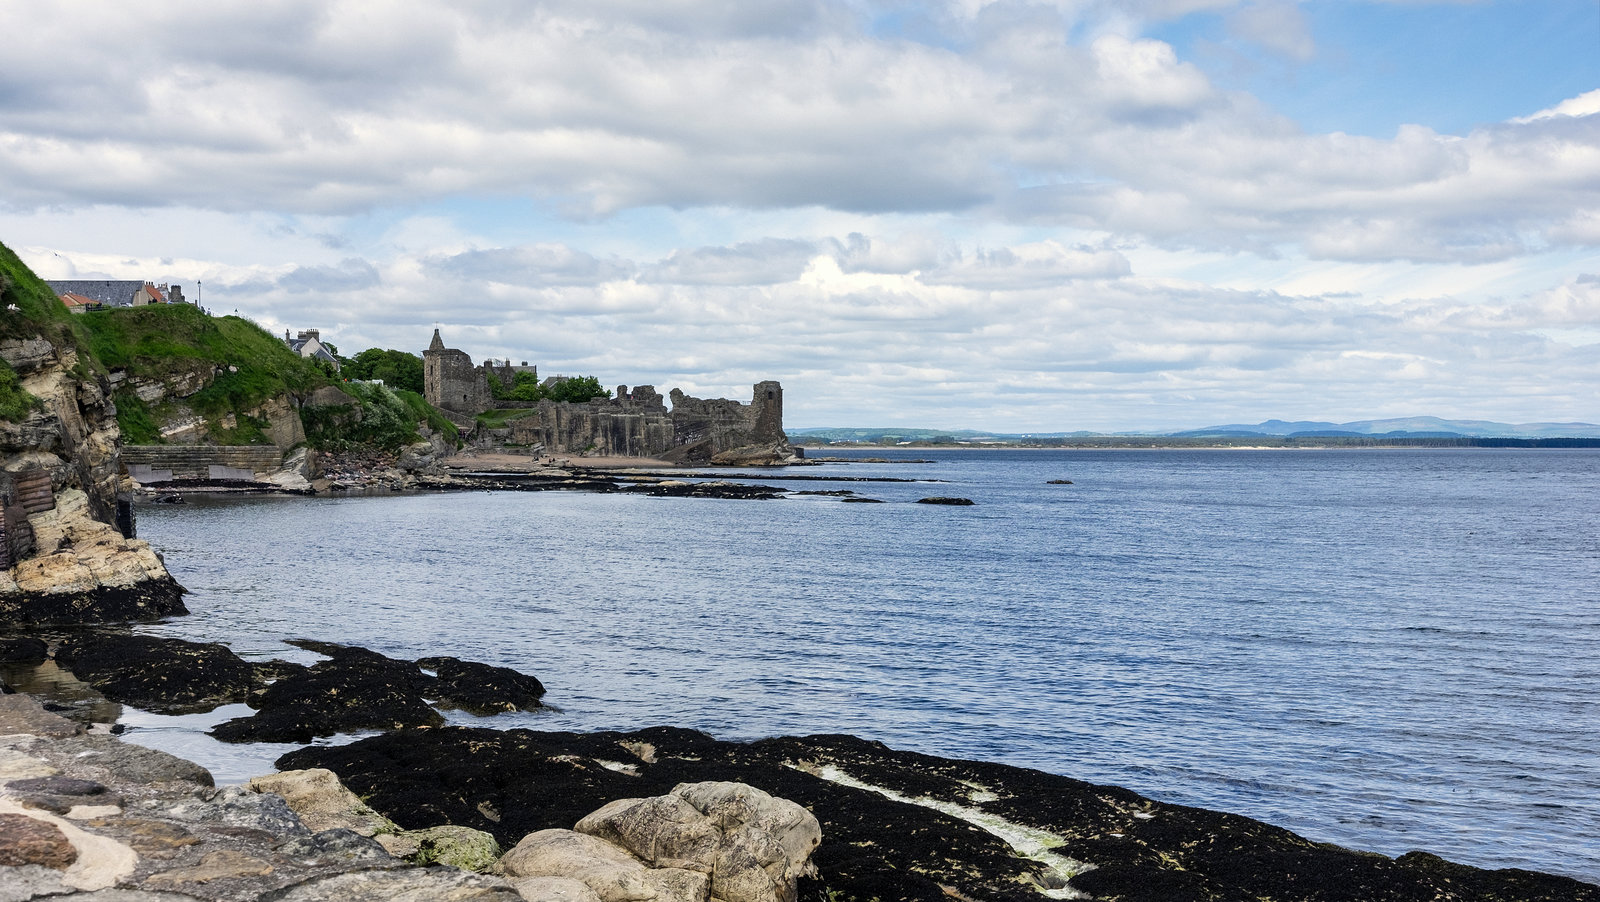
<point x="39" y="313"/>
<point x="163" y="340"/>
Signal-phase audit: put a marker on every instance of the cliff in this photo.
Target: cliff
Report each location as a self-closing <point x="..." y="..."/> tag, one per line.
<point x="68" y="552"/>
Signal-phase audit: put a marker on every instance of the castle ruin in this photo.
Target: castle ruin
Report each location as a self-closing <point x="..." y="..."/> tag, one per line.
<point x="634" y="423"/>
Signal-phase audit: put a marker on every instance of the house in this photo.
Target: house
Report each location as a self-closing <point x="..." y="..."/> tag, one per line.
<point x="309" y="344"/>
<point x="118" y="292"/>
<point x="77" y="303"/>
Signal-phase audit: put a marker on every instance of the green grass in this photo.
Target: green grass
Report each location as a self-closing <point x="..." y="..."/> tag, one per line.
<point x="497" y="419"/>
<point x="426" y="413"/>
<point x="251" y="366"/>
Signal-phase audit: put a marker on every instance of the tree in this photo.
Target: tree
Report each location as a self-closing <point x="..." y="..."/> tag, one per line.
<point x="576" y="389"/>
<point x="397" y="369"/>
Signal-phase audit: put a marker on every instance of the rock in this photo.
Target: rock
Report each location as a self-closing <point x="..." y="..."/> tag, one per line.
<point x="613" y="875"/>
<point x="417" y="456"/>
<point x="679" y="885"/>
<point x="297" y="472"/>
<point x="1059" y="482"/>
<point x="322" y="802"/>
<point x="111" y="761"/>
<point x="481" y="688"/>
<point x="25" y="840"/>
<point x="85" y="571"/>
<point x="24" y="714"/>
<point x="960" y="502"/>
<point x="412" y="885"/>
<point x="63" y="795"/>
<point x="23" y="651"/>
<point x="554" y="889"/>
<point x="243" y="812"/>
<point x="339" y="847"/>
<point x="754" y="846"/>
<point x="860" y="500"/>
<point x="458" y="847"/>
<point x="355" y="690"/>
<point x="219" y="865"/>
<point x="715" y="489"/>
<point x="873" y="845"/>
<point x="167" y="676"/>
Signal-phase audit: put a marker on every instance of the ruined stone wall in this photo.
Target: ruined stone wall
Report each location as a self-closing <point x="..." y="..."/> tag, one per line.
<point x="638" y="424"/>
<point x="632" y="424"/>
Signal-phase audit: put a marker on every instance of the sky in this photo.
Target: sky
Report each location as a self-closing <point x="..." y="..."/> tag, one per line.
<point x="1013" y="216"/>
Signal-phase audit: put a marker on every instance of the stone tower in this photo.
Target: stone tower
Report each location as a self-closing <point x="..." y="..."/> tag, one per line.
<point x="450" y="381"/>
<point x="766" y="413"/>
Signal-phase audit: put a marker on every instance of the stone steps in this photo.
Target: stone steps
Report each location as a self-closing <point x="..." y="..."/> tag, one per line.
<point x="162" y="463"/>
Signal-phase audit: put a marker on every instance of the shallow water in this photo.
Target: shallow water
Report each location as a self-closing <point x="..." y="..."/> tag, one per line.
<point x="1385" y="649"/>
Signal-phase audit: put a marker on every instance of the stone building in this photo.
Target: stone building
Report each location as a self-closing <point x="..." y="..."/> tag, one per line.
<point x="452" y="384"/>
<point x="635" y="423"/>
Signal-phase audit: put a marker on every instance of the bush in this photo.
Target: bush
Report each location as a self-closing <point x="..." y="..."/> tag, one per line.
<point x="380" y="418"/>
<point x="398" y="370"/>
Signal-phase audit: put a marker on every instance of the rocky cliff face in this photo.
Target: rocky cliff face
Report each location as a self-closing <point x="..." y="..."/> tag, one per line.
<point x="68" y="552"/>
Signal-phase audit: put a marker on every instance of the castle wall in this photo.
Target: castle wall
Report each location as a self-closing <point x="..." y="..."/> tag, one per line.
<point x="634" y="423"/>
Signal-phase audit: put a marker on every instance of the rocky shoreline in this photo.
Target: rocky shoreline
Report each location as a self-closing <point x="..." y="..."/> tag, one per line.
<point x="894" y="825"/>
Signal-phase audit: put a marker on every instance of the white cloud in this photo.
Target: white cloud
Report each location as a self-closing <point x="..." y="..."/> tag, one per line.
<point x="308" y="108"/>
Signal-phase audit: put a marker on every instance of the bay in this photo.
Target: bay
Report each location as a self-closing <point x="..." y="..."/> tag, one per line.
<point x="1385" y="649"/>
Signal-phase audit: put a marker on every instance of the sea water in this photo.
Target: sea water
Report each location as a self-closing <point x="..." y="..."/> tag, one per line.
<point x="1385" y="649"/>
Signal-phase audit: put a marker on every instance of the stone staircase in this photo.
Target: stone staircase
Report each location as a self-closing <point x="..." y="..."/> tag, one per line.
<point x="164" y="463"/>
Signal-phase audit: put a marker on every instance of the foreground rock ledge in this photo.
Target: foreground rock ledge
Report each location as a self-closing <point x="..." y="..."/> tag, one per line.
<point x="903" y="826"/>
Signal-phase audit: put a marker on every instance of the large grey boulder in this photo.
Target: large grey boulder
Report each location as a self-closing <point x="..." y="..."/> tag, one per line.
<point x="613" y="875"/>
<point x="322" y="802"/>
<point x="753" y="847"/>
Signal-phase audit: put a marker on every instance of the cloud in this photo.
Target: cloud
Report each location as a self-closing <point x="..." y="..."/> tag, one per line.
<point x="1277" y="25"/>
<point x="1029" y="266"/>
<point x="535" y="265"/>
<point x="765" y="262"/>
<point x="1054" y="115"/>
<point x="349" y="275"/>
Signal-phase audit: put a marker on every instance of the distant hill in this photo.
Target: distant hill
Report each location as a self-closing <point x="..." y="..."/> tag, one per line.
<point x="1398" y="429"/>
<point x="1403" y="427"/>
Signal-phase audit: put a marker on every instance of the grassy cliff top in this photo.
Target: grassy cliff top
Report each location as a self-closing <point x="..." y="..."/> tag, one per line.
<point x="161" y="339"/>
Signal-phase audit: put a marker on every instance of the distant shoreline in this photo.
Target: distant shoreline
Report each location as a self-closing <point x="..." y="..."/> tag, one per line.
<point x="1242" y="443"/>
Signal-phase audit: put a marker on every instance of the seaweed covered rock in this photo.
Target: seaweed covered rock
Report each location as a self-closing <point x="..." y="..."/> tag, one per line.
<point x="355" y="689"/>
<point x="157" y="674"/>
<point x="900" y="825"/>
<point x="482" y="688"/>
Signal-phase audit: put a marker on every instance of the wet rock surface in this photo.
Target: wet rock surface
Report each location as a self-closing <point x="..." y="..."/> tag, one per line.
<point x="167" y="676"/>
<point x="715" y="489"/>
<point x="939" y="499"/>
<point x="879" y="843"/>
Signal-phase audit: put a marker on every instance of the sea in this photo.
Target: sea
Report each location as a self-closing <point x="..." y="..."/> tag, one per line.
<point x="1388" y="649"/>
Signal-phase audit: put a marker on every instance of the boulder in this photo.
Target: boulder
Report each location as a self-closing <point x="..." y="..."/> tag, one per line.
<point x="613" y="875"/>
<point x="322" y="802"/>
<point x="753" y="846"/>
<point x="457" y="847"/>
